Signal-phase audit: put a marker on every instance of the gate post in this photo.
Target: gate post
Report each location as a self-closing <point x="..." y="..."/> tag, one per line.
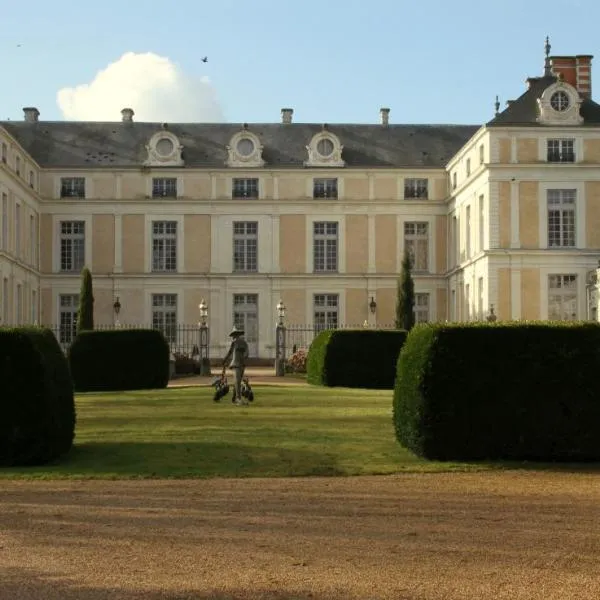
<point x="280" y="341"/>
<point x="204" y="337"/>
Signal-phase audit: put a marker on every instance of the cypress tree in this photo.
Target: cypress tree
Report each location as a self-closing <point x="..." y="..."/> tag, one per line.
<point x="405" y="299"/>
<point x="85" y="316"/>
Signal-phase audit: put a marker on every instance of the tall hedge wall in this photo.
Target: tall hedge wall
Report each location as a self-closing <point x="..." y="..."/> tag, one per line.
<point x="504" y="391"/>
<point x="122" y="359"/>
<point x="356" y="358"/>
<point x="37" y="409"/>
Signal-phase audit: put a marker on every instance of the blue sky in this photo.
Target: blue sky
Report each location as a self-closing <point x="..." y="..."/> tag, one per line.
<point x="430" y="61"/>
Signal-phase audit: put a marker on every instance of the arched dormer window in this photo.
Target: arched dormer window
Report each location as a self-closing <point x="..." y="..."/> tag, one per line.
<point x="559" y="105"/>
<point x="324" y="150"/>
<point x="244" y="150"/>
<point x="164" y="150"/>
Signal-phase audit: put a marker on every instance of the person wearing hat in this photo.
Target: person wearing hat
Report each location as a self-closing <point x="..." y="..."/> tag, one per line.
<point x="236" y="357"/>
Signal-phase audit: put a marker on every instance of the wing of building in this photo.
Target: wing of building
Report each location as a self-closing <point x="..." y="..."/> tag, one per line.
<point x="502" y="217"/>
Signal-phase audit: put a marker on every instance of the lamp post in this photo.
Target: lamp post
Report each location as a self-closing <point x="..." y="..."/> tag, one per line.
<point x="203" y="329"/>
<point x="117" y="309"/>
<point x="491" y="318"/>
<point x="280" y="341"/>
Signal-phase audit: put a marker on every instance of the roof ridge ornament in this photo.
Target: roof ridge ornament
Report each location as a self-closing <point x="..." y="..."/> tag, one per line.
<point x="497" y="106"/>
<point x="547" y="68"/>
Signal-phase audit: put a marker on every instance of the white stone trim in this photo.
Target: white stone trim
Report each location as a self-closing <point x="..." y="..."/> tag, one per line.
<point x="578" y="146"/>
<point x="118" y="268"/>
<point x="580" y="210"/>
<point x="372" y="250"/>
<point x="154" y="159"/>
<point x="316" y="160"/>
<point x="564" y="267"/>
<point x="159" y="288"/>
<point x="515" y="234"/>
<point x="235" y="159"/>
<point x="513" y="150"/>
<point x="340" y="219"/>
<point x="515" y="288"/>
<point x="149" y="218"/>
<point x="326" y="288"/>
<point x="56" y="221"/>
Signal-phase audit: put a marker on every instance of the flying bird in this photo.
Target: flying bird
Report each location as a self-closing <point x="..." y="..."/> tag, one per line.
<point x="205" y="59"/>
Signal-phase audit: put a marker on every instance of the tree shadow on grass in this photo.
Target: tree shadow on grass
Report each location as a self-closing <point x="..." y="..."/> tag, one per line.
<point x="34" y="585"/>
<point x="181" y="460"/>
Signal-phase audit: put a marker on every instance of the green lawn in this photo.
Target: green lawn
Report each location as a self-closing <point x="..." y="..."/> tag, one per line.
<point x="288" y="431"/>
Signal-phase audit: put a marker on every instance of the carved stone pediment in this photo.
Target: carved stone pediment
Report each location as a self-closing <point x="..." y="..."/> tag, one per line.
<point x="559" y="105"/>
<point x="244" y="150"/>
<point x="164" y="150"/>
<point x="324" y="150"/>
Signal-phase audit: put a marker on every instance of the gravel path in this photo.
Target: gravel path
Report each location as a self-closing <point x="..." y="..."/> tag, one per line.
<point x="516" y="535"/>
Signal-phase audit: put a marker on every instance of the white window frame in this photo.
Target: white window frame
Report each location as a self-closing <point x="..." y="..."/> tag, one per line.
<point x="416" y="237"/>
<point x="326" y="183"/>
<point x="56" y="227"/>
<point x="165" y="237"/>
<point x="564" y="204"/>
<point x="246" y="239"/>
<point x="560" y="292"/>
<point x="561" y="142"/>
<point x="164" y="310"/>
<point x="578" y="147"/>
<point x="149" y="219"/>
<point x="18" y="228"/>
<point x="72" y="310"/>
<point x="326" y="237"/>
<point x="414" y="184"/>
<point x="341" y="221"/>
<point x="580" y="212"/>
<point x="327" y="309"/>
<point x="73" y="178"/>
<point x="422" y="308"/>
<point x="246" y="179"/>
<point x="4" y="241"/>
<point x="165" y="184"/>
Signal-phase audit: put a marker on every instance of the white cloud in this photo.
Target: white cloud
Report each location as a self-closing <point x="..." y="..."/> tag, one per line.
<point x="153" y="86"/>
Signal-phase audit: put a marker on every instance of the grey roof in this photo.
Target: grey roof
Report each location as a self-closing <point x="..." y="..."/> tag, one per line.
<point x="524" y="110"/>
<point x="65" y="144"/>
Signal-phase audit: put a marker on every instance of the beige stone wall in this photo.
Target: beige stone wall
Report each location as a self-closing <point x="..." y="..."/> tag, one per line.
<point x="530" y="294"/>
<point x="357" y="244"/>
<point x="592" y="217"/>
<point x="504" y="150"/>
<point x="134" y="243"/>
<point x="291" y="188"/>
<point x="386" y="306"/>
<point x="46" y="250"/>
<point x="197" y="238"/>
<point x="442" y="312"/>
<point x="385" y="243"/>
<point x="385" y="187"/>
<point x="133" y="186"/>
<point x="357" y="306"/>
<point x="591" y="151"/>
<point x="503" y="309"/>
<point x="441" y="244"/>
<point x="527" y="150"/>
<point x="46" y="185"/>
<point x="295" y="302"/>
<point x="104" y="187"/>
<point x="46" y="309"/>
<point x="103" y="243"/>
<point x="440" y="189"/>
<point x="504" y="213"/>
<point x="529" y="214"/>
<point x="104" y="313"/>
<point x="198" y="187"/>
<point x="132" y="307"/>
<point x="356" y="188"/>
<point x="292" y="246"/>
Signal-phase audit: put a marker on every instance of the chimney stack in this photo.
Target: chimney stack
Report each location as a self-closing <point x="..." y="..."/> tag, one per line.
<point x="576" y="71"/>
<point x="31" y="114"/>
<point x="286" y="115"/>
<point x="384" y="114"/>
<point x="127" y="114"/>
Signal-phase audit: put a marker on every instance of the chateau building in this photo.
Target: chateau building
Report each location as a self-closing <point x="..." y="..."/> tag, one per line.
<point x="503" y="215"/>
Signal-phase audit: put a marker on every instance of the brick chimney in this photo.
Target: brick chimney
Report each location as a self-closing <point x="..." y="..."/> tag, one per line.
<point x="286" y="115"/>
<point x="127" y="115"/>
<point x="31" y="114"/>
<point x="384" y="115"/>
<point x="576" y="71"/>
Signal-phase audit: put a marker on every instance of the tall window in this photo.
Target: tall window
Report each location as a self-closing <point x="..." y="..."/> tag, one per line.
<point x="416" y="243"/>
<point x="68" y="307"/>
<point x="422" y="308"/>
<point x="326" y="311"/>
<point x="18" y="165"/>
<point x="468" y="232"/>
<point x="245" y="188"/>
<point x="480" y="297"/>
<point x="325" y="246"/>
<point x="31" y="179"/>
<point x="468" y="302"/>
<point x="34" y="306"/>
<point x="164" y="187"/>
<point x="72" y="246"/>
<point x="562" y="297"/>
<point x="164" y="246"/>
<point x="481" y="155"/>
<point x="164" y="315"/>
<point x="481" y="224"/>
<point x="18" y="230"/>
<point x="415" y="188"/>
<point x="32" y="241"/>
<point x="325" y="188"/>
<point x="468" y="167"/>
<point x="72" y="187"/>
<point x="4" y="240"/>
<point x="560" y="150"/>
<point x="4" y="153"/>
<point x="454" y="182"/>
<point x="561" y="218"/>
<point x="19" y="304"/>
<point x="245" y="246"/>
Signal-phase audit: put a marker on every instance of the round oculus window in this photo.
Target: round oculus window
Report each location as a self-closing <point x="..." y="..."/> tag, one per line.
<point x="559" y="101"/>
<point x="325" y="147"/>
<point x="165" y="147"/>
<point x="245" y="147"/>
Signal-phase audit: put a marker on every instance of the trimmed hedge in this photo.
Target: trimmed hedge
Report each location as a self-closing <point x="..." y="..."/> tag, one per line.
<point x="508" y="391"/>
<point x="122" y="359"/>
<point x="37" y="408"/>
<point x="355" y="358"/>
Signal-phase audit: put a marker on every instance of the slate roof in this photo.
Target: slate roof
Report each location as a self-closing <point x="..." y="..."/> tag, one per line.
<point x="524" y="111"/>
<point x="93" y="145"/>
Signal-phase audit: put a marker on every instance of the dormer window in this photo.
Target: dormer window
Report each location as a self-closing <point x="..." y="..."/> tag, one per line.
<point x="244" y="150"/>
<point x="561" y="150"/>
<point x="559" y="104"/>
<point x="559" y="101"/>
<point x="324" y="150"/>
<point x="164" y="150"/>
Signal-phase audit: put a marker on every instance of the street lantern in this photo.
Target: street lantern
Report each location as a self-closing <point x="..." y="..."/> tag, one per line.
<point x="280" y="341"/>
<point x="203" y="326"/>
<point x="117" y="309"/>
<point x="203" y="308"/>
<point x="372" y="305"/>
<point x="281" y="311"/>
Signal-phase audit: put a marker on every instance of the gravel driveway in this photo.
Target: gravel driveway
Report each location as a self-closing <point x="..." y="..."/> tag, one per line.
<point x="514" y="535"/>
